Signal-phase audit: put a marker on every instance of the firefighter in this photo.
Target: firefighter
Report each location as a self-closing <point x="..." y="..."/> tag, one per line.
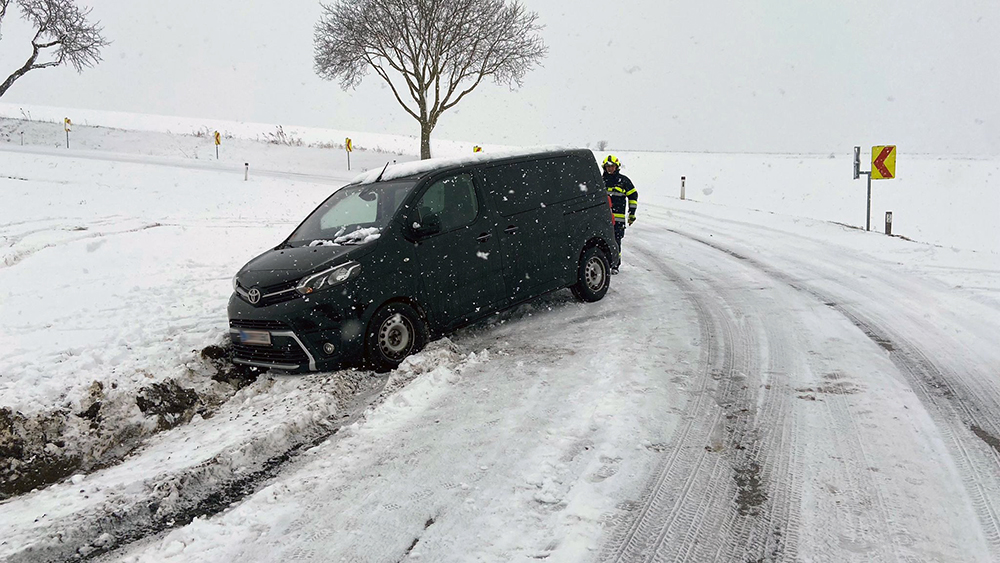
<point x="623" y="195"/>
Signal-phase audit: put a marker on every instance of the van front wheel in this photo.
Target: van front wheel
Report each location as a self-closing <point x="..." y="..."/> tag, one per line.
<point x="593" y="276"/>
<point x="395" y="331"/>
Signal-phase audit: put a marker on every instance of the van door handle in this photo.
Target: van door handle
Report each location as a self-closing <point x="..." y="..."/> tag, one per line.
<point x="510" y="230"/>
<point x="484" y="237"/>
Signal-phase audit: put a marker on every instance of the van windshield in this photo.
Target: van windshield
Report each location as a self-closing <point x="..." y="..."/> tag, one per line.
<point x="352" y="215"/>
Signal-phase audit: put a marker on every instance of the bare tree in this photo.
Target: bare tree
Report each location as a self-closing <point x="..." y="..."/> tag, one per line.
<point x="432" y="51"/>
<point x="62" y="35"/>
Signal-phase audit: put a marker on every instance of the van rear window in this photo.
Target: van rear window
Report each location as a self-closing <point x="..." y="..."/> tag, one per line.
<point x="522" y="186"/>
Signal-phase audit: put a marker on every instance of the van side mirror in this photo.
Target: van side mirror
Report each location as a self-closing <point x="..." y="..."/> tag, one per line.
<point x="429" y="225"/>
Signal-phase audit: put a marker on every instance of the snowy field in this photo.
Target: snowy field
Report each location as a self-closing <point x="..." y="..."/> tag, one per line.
<point x="764" y="381"/>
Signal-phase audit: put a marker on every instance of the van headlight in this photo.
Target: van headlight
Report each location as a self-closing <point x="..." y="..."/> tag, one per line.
<point x="327" y="278"/>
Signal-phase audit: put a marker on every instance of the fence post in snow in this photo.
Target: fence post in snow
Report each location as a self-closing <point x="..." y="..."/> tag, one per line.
<point x="682" y="186"/>
<point x="246" y="171"/>
<point x="888" y="222"/>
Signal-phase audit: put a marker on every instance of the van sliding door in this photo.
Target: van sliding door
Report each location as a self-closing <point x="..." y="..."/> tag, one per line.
<point x="532" y="240"/>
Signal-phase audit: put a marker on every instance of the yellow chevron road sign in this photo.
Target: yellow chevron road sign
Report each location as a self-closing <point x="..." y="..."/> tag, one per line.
<point x="884" y="162"/>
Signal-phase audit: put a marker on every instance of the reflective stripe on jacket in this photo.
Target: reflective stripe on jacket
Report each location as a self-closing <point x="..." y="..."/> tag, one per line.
<point x="624" y="196"/>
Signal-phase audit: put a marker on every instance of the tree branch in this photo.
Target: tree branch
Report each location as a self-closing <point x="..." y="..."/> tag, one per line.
<point x="381" y="72"/>
<point x="59" y="25"/>
<point x="443" y="49"/>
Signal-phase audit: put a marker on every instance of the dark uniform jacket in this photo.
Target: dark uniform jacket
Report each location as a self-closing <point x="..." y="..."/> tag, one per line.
<point x="623" y="195"/>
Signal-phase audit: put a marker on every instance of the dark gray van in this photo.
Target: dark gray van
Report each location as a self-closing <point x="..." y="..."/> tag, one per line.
<point x="391" y="260"/>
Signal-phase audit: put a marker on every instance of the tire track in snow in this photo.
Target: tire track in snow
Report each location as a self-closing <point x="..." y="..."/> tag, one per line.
<point x="764" y="454"/>
<point x="710" y="499"/>
<point x="639" y="534"/>
<point x="15" y="256"/>
<point x="770" y="533"/>
<point x="945" y="396"/>
<point x="760" y="522"/>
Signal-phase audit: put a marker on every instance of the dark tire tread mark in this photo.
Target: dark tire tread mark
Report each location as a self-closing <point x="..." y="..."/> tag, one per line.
<point x="631" y="541"/>
<point x="745" y="518"/>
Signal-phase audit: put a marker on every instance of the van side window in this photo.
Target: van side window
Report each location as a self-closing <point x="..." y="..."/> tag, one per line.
<point x="452" y="199"/>
<point x="577" y="176"/>
<point x="523" y="186"/>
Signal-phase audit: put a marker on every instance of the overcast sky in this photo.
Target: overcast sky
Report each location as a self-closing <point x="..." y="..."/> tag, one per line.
<point x="757" y="75"/>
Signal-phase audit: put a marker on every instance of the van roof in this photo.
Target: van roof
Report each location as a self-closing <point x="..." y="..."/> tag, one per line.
<point x="420" y="168"/>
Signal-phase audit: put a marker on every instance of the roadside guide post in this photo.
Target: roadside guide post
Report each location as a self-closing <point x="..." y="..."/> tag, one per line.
<point x="683" y="179"/>
<point x="348" y="146"/>
<point x="66" y="125"/>
<point x="883" y="168"/>
<point x="218" y="141"/>
<point x="246" y="171"/>
<point x="888" y="222"/>
<point x="22" y="138"/>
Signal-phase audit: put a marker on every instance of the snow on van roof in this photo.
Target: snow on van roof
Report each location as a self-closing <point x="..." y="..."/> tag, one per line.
<point x="421" y="166"/>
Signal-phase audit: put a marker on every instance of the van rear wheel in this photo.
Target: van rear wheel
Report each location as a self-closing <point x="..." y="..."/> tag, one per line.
<point x="395" y="332"/>
<point x="593" y="275"/>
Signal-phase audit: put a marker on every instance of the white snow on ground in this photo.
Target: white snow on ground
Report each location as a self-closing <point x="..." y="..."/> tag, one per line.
<point x="502" y="455"/>
<point x="542" y="433"/>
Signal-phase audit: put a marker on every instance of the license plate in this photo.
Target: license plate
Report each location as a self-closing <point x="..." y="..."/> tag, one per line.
<point x="256" y="337"/>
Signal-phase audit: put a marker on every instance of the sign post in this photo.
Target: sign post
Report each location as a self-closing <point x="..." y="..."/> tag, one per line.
<point x="66" y="125"/>
<point x="683" y="180"/>
<point x="218" y="141"/>
<point x="868" y="209"/>
<point x="883" y="168"/>
<point x="349" y="147"/>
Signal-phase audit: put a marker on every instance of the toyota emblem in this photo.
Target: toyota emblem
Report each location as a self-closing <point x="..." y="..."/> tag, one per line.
<point x="253" y="296"/>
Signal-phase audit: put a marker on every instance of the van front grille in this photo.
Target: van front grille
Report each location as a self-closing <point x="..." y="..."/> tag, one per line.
<point x="257" y="325"/>
<point x="279" y="354"/>
<point x="271" y="294"/>
<point x="279" y="293"/>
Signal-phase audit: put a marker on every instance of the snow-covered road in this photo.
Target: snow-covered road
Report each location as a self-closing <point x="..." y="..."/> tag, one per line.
<point x="848" y="418"/>
<point x="741" y="395"/>
<point x="754" y="387"/>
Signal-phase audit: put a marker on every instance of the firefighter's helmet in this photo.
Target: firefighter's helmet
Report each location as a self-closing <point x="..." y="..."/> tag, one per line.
<point x="612" y="159"/>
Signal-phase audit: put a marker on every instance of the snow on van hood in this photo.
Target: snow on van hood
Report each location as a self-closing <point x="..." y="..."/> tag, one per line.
<point x="420" y="166"/>
<point x="360" y="236"/>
